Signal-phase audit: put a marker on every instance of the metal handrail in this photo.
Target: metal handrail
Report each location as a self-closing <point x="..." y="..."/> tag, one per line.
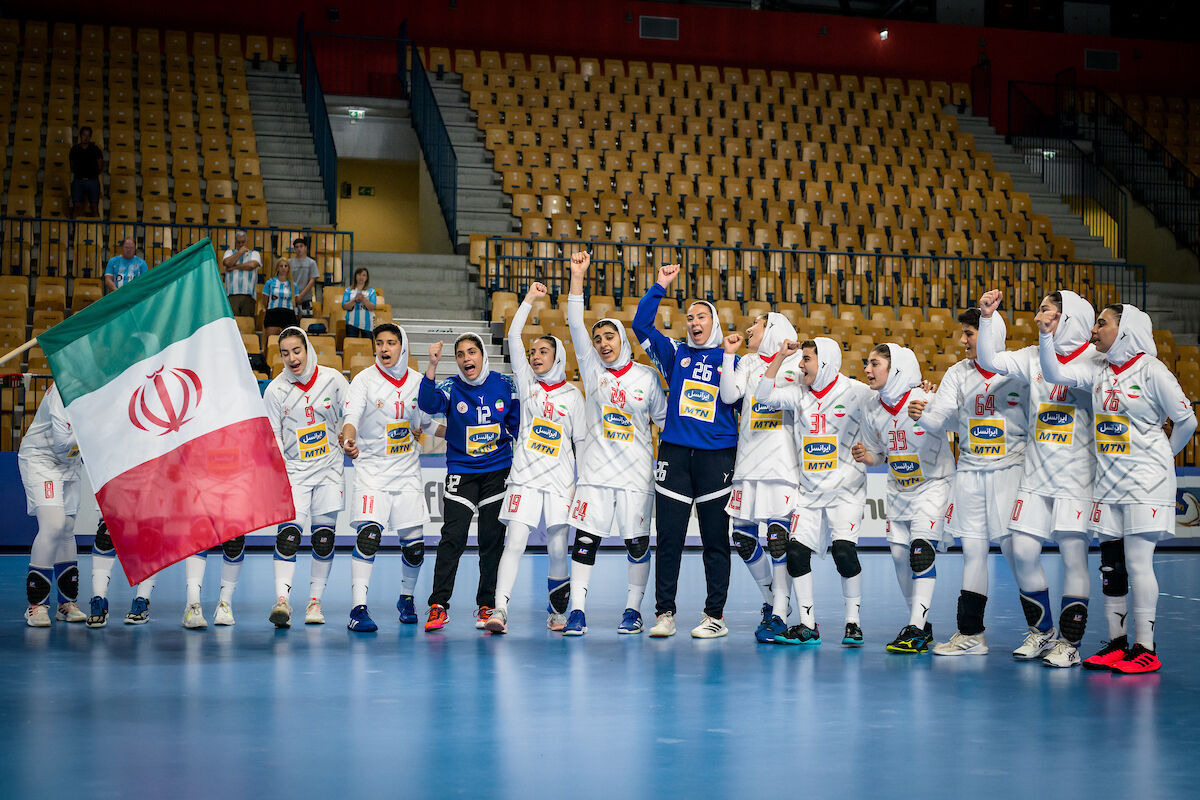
<point x="318" y="122"/>
<point x="440" y="157"/>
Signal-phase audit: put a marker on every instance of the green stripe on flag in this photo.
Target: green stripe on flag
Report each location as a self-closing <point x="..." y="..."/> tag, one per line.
<point x="164" y="306"/>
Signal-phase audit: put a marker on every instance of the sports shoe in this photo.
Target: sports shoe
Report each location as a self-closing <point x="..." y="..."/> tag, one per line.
<point x="38" y="616"/>
<point x="360" y="621"/>
<point x="912" y="639"/>
<point x="139" y="612"/>
<point x="223" y="615"/>
<point x="70" y="612"/>
<point x="281" y="614"/>
<point x="631" y="621"/>
<point x="193" y="617"/>
<point x="664" y="625"/>
<point x="408" y="609"/>
<point x="481" y="616"/>
<point x="800" y="634"/>
<point x="556" y="621"/>
<point x="770" y="626"/>
<point x="497" y="621"/>
<point x="853" y="637"/>
<point x="1137" y="661"/>
<point x="709" y="628"/>
<point x="437" y="618"/>
<point x="1063" y="654"/>
<point x="98" y="617"/>
<point x="1037" y="644"/>
<point x="576" y="624"/>
<point x="313" y="614"/>
<point x="1110" y="654"/>
<point x="963" y="644"/>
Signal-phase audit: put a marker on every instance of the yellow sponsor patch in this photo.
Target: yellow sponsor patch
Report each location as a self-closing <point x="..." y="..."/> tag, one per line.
<point x="545" y="437"/>
<point x="482" y="439"/>
<point x="1112" y="434"/>
<point x="820" y="453"/>
<point x="313" y="441"/>
<point x="906" y="469"/>
<point x="399" y="438"/>
<point x="698" y="401"/>
<point x="764" y="418"/>
<point x="618" y="425"/>
<point x="986" y="435"/>
<point x="1055" y="423"/>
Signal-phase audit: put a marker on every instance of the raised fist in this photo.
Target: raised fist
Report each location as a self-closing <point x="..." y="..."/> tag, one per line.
<point x="733" y="343"/>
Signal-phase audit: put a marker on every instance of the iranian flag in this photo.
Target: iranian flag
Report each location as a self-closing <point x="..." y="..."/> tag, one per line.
<point x="168" y="416"/>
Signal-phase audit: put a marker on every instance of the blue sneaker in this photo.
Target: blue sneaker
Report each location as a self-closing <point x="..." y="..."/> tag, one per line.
<point x="360" y="621"/>
<point x="631" y="621"/>
<point x="770" y="627"/>
<point x="139" y="612"/>
<point x="800" y="634"/>
<point x="98" y="617"/>
<point x="407" y="609"/>
<point x="576" y="624"/>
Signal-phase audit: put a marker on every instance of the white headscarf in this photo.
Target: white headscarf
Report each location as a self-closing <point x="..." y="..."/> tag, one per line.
<point x="400" y="368"/>
<point x="310" y="356"/>
<point x="776" y="331"/>
<point x="558" y="370"/>
<point x="1074" y="325"/>
<point x="715" y="336"/>
<point x="903" y="375"/>
<point x="484" y="369"/>
<point x="626" y="354"/>
<point x="1134" y="335"/>
<point x="829" y="362"/>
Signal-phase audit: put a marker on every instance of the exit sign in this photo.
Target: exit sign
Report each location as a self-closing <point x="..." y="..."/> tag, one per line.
<point x="366" y="191"/>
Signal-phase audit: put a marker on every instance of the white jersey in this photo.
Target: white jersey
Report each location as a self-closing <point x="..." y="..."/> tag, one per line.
<point x="764" y="448"/>
<point x="385" y="415"/>
<point x="827" y="426"/>
<point x="48" y="451"/>
<point x="989" y="412"/>
<point x="918" y="460"/>
<point x="618" y="452"/>
<point x="306" y="419"/>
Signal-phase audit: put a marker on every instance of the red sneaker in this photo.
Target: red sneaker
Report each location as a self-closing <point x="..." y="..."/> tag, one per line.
<point x="481" y="616"/>
<point x="437" y="618"/>
<point x="1137" y="661"/>
<point x="1113" y="652"/>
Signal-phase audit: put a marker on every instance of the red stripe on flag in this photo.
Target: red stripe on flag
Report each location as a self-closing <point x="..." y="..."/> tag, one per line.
<point x="221" y="485"/>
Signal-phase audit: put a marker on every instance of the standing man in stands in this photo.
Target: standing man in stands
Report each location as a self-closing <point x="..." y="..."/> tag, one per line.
<point x="123" y="268"/>
<point x="87" y="162"/>
<point x="241" y="275"/>
<point x="305" y="274"/>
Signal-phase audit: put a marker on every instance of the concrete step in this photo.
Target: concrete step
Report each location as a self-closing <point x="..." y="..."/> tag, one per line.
<point x="287" y="170"/>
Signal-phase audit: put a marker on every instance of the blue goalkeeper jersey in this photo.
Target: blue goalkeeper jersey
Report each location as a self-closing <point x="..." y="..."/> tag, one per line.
<point x="481" y="421"/>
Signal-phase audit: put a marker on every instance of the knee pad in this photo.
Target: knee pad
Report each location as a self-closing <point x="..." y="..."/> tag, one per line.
<point x="586" y="546"/>
<point x="367" y="544"/>
<point x="799" y="559"/>
<point x="1114" y="580"/>
<point x="1035" y="612"/>
<point x="1072" y="622"/>
<point x="777" y="540"/>
<point x="845" y="558"/>
<point x="234" y="549"/>
<point x="66" y="578"/>
<point x="103" y="543"/>
<point x="746" y="545"/>
<point x="560" y="594"/>
<point x="638" y="549"/>
<point x="413" y="552"/>
<point x="287" y="542"/>
<point x="37" y="587"/>
<point x="920" y="556"/>
<point x="322" y="543"/>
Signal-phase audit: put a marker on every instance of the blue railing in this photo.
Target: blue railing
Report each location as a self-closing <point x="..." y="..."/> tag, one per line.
<point x="318" y="121"/>
<point x="435" y="143"/>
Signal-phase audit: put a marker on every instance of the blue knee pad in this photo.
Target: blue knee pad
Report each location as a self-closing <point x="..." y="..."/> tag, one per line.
<point x="235" y="549"/>
<point x="102" y="545"/>
<point x="637" y="549"/>
<point x="745" y="541"/>
<point x="287" y="542"/>
<point x="412" y="551"/>
<point x="921" y="555"/>
<point x="367" y="543"/>
<point x="322" y="543"/>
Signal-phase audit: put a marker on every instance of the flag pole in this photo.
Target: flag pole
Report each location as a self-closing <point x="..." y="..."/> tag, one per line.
<point x="28" y="345"/>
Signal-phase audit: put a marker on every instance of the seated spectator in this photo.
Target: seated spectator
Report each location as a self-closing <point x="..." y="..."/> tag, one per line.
<point x="279" y="295"/>
<point x="121" y="269"/>
<point x="87" y="162"/>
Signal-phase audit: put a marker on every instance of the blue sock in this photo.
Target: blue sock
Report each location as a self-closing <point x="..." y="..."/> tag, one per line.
<point x="1036" y="606"/>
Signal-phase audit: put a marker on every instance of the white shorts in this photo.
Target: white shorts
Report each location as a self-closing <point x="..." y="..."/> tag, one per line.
<point x="816" y="528"/>
<point x="389" y="510"/>
<point x="534" y="507"/>
<point x="1115" y="520"/>
<point x="761" y="501"/>
<point x="316" y="501"/>
<point x="981" y="503"/>
<point x="1043" y="516"/>
<point x="52" y="493"/>
<point x="904" y="531"/>
<point x="612" y="512"/>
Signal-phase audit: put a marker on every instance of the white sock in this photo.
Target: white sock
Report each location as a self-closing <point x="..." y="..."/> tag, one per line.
<point x="193" y="572"/>
<point x="852" y="594"/>
<point x="146" y="587"/>
<point x="410" y="572"/>
<point x="515" y="540"/>
<point x="803" y="588"/>
<point x="556" y="551"/>
<point x="639" y="576"/>
<point x="229" y="579"/>
<point x="318" y="577"/>
<point x="360" y="578"/>
<point x="285" y="572"/>
<point x="922" y="601"/>
<point x="580" y="575"/>
<point x="1143" y="585"/>
<point x="781" y="589"/>
<point x="760" y="570"/>
<point x="1115" y="611"/>
<point x="102" y="567"/>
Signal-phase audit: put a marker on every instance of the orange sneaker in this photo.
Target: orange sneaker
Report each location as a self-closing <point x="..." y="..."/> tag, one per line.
<point x="1111" y="653"/>
<point x="438" y="617"/>
<point x="481" y="616"/>
<point x="1137" y="661"/>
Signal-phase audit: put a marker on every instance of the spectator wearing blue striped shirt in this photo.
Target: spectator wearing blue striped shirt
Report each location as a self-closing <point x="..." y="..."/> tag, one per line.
<point x="280" y="296"/>
<point x="242" y="264"/>
<point x="359" y="302"/>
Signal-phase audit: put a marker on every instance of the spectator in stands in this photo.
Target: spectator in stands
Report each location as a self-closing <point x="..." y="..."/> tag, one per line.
<point x="87" y="162"/>
<point x="304" y="273"/>
<point x="121" y="269"/>
<point x="241" y="275"/>
<point x="279" y="295"/>
<point x="359" y="302"/>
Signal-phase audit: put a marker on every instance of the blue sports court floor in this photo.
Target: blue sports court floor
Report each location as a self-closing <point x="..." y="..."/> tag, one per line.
<point x="318" y="711"/>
